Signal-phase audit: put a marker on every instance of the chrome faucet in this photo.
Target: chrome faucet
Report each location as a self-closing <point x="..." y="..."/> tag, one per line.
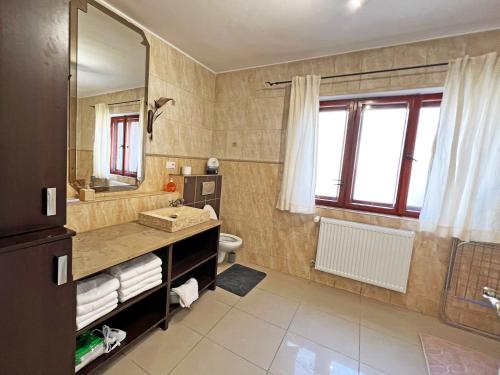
<point x="176" y="203"/>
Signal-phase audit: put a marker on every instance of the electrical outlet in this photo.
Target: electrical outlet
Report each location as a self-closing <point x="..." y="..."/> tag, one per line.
<point x="170" y="164"/>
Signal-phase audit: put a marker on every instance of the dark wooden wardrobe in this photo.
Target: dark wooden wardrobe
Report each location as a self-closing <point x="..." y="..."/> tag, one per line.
<point x="36" y="294"/>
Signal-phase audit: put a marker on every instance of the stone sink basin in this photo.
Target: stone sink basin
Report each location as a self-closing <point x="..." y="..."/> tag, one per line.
<point x="173" y="219"/>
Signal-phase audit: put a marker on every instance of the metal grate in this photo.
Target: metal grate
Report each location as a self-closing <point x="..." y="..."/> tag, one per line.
<point x="472" y="267"/>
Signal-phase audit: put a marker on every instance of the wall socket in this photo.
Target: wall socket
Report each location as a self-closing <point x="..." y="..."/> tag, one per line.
<point x="170" y="164"/>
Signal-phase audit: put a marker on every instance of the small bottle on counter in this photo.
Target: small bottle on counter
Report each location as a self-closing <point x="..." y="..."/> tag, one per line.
<point x="170" y="186"/>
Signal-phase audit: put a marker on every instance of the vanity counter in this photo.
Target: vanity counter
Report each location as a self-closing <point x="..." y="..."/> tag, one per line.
<point x="99" y="249"/>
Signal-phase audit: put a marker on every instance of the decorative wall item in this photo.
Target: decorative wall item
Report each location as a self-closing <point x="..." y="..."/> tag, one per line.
<point x="153" y="113"/>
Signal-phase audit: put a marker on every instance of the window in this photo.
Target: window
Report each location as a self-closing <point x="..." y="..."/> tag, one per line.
<point x="374" y="154"/>
<point x="125" y="145"/>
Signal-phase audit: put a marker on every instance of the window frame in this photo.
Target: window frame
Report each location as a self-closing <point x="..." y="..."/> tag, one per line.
<point x="351" y="145"/>
<point x="127" y="120"/>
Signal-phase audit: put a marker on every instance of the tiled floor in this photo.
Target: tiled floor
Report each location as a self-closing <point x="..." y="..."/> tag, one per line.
<point x="290" y="326"/>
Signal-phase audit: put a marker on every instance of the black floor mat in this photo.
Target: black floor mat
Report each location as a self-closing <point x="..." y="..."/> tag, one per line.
<point x="239" y="279"/>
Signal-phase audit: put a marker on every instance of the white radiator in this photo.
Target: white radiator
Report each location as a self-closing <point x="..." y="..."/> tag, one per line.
<point x="367" y="253"/>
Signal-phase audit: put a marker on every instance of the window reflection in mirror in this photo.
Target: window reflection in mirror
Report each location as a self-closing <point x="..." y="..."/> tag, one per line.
<point x="107" y="128"/>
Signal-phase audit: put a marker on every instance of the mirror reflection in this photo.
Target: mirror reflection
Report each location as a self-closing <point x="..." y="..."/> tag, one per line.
<point x="110" y="119"/>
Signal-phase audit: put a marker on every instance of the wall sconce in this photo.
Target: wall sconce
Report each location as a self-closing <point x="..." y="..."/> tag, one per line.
<point x="153" y="113"/>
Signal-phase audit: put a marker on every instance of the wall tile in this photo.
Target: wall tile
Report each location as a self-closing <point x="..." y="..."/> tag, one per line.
<point x="235" y="85"/>
<point x="231" y="115"/>
<point x="266" y="113"/>
<point x="252" y="141"/>
<point x="234" y="144"/>
<point x="443" y="50"/>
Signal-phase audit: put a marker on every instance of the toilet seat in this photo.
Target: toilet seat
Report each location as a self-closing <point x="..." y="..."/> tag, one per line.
<point x="231" y="238"/>
<point x="229" y="242"/>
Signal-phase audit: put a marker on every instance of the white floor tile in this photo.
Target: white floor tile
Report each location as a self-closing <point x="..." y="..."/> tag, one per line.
<point x="268" y="306"/>
<point x="208" y="358"/>
<point x="249" y="337"/>
<point x="299" y="356"/>
<point x="161" y="351"/>
<point x="326" y="329"/>
<point x="390" y="354"/>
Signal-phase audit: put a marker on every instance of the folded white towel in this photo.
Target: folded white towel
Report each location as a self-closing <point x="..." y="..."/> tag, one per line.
<point x="135" y="267"/>
<point x="137" y="279"/>
<point x="94" y="305"/>
<point x="139" y="291"/>
<point x="123" y="292"/>
<point x="95" y="288"/>
<point x="187" y="292"/>
<point x="85" y="320"/>
<point x="84" y="317"/>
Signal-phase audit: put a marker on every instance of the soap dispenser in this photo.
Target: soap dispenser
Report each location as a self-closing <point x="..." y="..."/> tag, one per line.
<point x="170" y="186"/>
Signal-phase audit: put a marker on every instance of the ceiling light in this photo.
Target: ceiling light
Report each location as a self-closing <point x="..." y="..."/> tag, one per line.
<point x="355" y="4"/>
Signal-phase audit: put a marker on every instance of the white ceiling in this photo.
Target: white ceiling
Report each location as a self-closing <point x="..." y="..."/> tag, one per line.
<point x="110" y="55"/>
<point x="233" y="34"/>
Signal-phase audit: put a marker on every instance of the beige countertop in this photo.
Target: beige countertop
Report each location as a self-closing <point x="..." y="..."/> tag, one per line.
<point x="96" y="250"/>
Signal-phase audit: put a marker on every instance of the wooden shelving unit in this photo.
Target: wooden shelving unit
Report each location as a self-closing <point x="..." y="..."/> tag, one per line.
<point x="190" y="263"/>
<point x="194" y="256"/>
<point x="120" y="308"/>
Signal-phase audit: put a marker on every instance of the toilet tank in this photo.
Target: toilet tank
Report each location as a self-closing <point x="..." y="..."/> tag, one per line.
<point x="197" y="191"/>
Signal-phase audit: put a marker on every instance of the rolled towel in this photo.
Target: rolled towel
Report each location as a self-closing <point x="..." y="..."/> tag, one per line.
<point x="134" y="280"/>
<point x="139" y="291"/>
<point x="135" y="267"/>
<point x="94" y="288"/>
<point x="187" y="292"/>
<point x="123" y="292"/>
<point x="93" y="306"/>
<point x="85" y="320"/>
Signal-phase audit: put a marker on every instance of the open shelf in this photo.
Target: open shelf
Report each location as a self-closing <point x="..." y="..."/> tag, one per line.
<point x="135" y="329"/>
<point x="203" y="283"/>
<point x="190" y="262"/>
<point x="120" y="308"/>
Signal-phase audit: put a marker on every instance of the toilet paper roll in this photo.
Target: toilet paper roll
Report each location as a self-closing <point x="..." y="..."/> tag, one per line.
<point x="186" y="170"/>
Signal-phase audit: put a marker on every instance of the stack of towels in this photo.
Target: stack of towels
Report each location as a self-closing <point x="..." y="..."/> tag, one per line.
<point x="95" y="297"/>
<point x="137" y="275"/>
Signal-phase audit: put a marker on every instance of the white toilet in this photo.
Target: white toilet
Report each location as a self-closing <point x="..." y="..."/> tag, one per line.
<point x="227" y="242"/>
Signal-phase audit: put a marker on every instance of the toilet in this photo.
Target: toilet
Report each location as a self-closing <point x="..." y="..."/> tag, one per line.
<point x="227" y="242"/>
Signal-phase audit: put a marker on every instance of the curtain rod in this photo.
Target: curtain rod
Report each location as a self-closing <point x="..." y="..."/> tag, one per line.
<point x="128" y="101"/>
<point x="364" y="73"/>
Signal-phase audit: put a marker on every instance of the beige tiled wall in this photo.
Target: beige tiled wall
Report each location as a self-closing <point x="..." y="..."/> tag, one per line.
<point x="184" y="129"/>
<point x="250" y="121"/>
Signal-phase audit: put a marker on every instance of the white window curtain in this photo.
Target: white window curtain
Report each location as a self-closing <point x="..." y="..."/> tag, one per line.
<point x="299" y="172"/>
<point x="463" y="191"/>
<point x="140" y="141"/>
<point x="102" y="141"/>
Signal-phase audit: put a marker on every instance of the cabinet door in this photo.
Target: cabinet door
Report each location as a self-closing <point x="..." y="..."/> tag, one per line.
<point x="34" y="66"/>
<point x="37" y="316"/>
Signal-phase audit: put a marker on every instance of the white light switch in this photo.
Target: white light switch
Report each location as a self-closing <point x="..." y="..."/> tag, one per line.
<point x="170" y="164"/>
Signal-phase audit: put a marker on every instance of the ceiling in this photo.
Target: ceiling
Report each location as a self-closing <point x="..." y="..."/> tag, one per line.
<point x="110" y="55"/>
<point x="234" y="34"/>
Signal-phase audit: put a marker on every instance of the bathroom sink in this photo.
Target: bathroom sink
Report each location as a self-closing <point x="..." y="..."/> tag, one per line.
<point x="172" y="219"/>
